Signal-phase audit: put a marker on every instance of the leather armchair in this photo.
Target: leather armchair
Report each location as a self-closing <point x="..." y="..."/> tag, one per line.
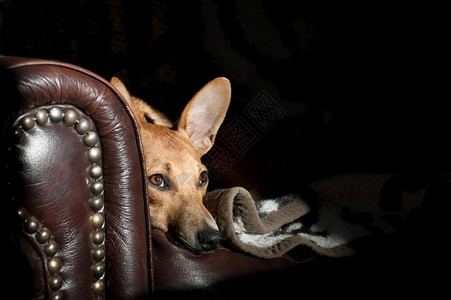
<point x="76" y="200"/>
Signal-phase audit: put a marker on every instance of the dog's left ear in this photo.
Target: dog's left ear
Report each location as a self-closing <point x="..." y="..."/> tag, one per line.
<point x="144" y="113"/>
<point x="205" y="112"/>
<point x="117" y="83"/>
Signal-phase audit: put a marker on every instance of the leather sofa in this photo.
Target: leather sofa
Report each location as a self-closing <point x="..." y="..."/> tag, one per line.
<point x="75" y="199"/>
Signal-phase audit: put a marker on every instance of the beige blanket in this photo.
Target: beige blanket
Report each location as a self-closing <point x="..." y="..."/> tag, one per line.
<point x="268" y="228"/>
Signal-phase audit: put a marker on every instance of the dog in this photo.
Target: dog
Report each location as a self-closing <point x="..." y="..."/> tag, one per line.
<point x="177" y="179"/>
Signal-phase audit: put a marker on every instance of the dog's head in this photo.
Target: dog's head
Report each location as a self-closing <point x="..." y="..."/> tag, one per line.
<point x="177" y="179"/>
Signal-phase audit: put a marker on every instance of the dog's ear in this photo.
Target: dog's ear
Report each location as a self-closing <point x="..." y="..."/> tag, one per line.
<point x="119" y="85"/>
<point x="205" y="112"/>
<point x="143" y="112"/>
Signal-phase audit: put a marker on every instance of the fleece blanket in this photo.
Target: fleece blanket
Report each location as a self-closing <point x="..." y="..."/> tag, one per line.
<point x="268" y="228"/>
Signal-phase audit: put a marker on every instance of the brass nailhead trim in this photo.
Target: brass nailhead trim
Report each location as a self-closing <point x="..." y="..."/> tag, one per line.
<point x="43" y="235"/>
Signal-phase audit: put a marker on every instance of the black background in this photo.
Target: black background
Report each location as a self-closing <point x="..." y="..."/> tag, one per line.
<point x="361" y="85"/>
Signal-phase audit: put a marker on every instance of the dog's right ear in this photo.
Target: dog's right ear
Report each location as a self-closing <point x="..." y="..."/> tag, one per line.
<point x="143" y="112"/>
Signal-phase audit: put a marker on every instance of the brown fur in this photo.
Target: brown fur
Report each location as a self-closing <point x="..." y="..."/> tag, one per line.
<point x="173" y="153"/>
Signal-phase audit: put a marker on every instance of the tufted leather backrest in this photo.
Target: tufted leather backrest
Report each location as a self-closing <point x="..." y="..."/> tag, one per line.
<point x="76" y="178"/>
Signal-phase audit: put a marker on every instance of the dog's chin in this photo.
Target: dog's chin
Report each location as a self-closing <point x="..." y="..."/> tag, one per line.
<point x="178" y="240"/>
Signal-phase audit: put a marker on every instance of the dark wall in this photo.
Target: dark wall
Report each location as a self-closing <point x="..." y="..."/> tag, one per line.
<point x="341" y="87"/>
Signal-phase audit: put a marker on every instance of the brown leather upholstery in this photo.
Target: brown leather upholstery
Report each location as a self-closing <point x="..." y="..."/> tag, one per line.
<point x="58" y="119"/>
<point x="53" y="172"/>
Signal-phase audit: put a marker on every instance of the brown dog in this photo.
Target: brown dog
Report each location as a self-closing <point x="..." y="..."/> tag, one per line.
<point x="177" y="179"/>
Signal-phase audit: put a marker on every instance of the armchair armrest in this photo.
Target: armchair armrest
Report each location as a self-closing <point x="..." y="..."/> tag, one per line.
<point x="74" y="174"/>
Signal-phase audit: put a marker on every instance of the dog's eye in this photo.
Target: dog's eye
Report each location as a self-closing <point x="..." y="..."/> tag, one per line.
<point x="203" y="178"/>
<point x="157" y="180"/>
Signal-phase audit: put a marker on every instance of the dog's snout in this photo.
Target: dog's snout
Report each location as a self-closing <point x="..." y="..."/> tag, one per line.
<point x="208" y="239"/>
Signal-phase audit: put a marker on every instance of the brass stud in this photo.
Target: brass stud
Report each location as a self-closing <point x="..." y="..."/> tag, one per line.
<point x="56" y="114"/>
<point x="97" y="220"/>
<point x="98" y="253"/>
<point x="42" y="117"/>
<point x="31" y="225"/>
<point x="27" y="123"/>
<point x="43" y="235"/>
<point x="18" y="133"/>
<point x="96" y="187"/>
<point x="98" y="236"/>
<point x="57" y="296"/>
<point x="50" y="248"/>
<point x="96" y="203"/>
<point x="98" y="270"/>
<point x="70" y="117"/>
<point x="22" y="213"/>
<point x="95" y="171"/>
<point x="90" y="139"/>
<point x="82" y="126"/>
<point x="55" y="282"/>
<point x="54" y="265"/>
<point x="98" y="287"/>
<point x="94" y="155"/>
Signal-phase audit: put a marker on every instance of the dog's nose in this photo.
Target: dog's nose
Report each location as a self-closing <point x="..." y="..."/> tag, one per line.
<point x="209" y="239"/>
